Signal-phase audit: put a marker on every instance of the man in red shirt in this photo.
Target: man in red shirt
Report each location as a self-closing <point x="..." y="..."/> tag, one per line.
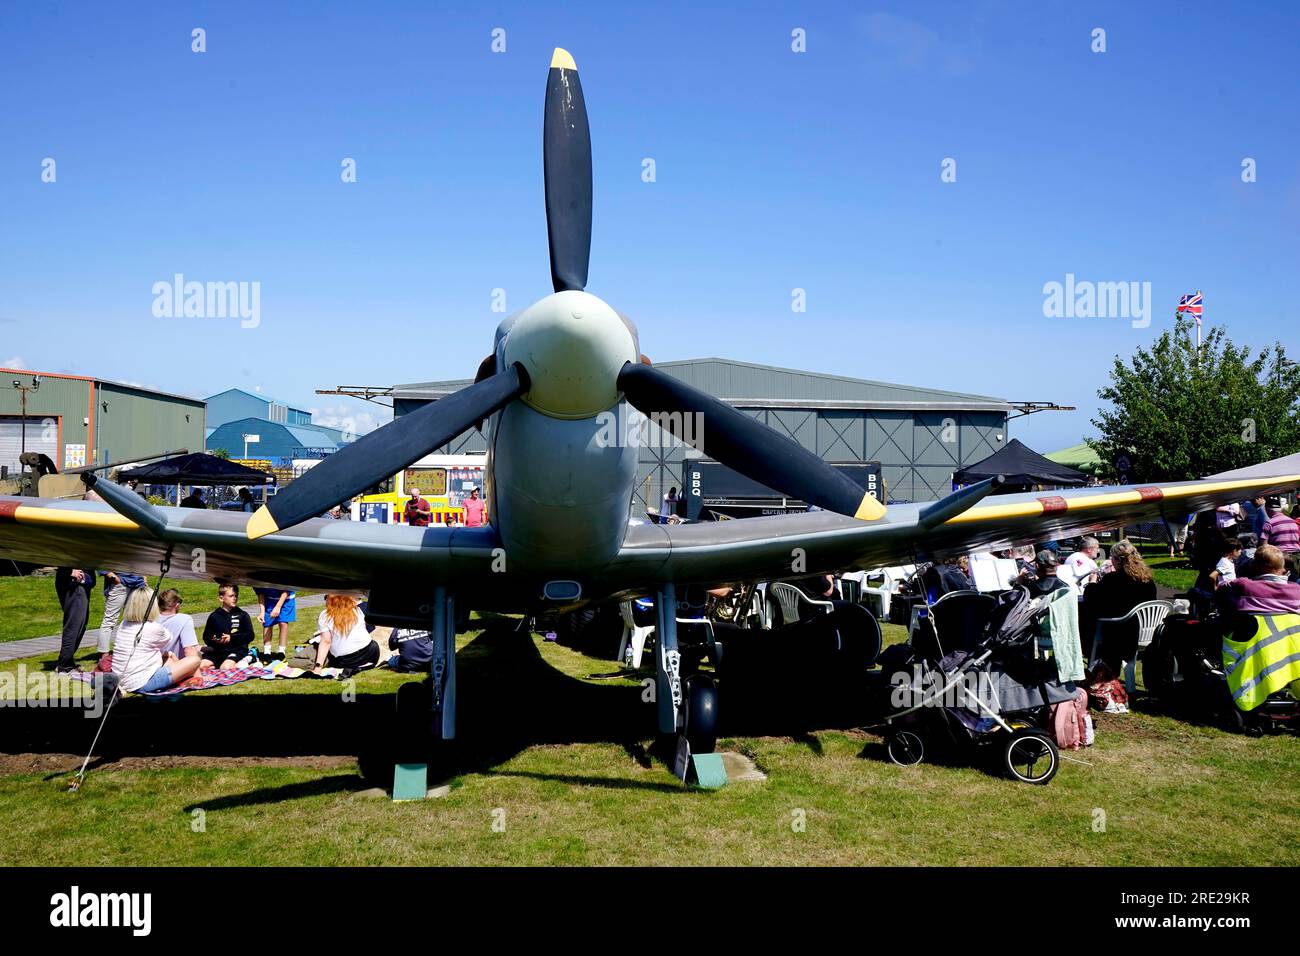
<point x="475" y="508"/>
<point x="417" y="510"/>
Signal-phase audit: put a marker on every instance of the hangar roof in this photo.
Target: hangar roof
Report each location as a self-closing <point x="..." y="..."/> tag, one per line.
<point x="750" y="385"/>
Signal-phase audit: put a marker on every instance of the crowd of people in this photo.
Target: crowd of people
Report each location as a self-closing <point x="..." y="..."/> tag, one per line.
<point x="1246" y="555"/>
<point x="150" y="644"/>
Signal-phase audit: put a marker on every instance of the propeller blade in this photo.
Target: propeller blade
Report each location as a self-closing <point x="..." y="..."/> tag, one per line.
<point x="386" y="451"/>
<point x="743" y="444"/>
<point x="566" y="158"/>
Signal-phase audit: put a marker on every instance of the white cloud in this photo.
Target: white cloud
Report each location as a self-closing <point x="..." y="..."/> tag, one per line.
<point x="358" y="421"/>
<point x="14" y="362"/>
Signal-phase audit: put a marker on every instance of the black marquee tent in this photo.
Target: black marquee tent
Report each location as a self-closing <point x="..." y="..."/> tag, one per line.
<point x="197" y="469"/>
<point x="1022" y="467"/>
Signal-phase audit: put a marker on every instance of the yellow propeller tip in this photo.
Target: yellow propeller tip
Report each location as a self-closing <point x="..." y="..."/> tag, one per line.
<point x="261" y="524"/>
<point x="870" y="509"/>
<point x="562" y="60"/>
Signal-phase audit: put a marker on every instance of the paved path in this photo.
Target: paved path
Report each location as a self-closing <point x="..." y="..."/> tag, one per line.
<point x="36" y="646"/>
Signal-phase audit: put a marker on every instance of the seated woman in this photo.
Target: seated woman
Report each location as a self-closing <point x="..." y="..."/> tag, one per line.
<point x="954" y="575"/>
<point x="1128" y="584"/>
<point x="141" y="660"/>
<point x="344" y="641"/>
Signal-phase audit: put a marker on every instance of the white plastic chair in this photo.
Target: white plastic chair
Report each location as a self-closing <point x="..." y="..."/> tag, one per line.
<point x="1150" y="615"/>
<point x="790" y="597"/>
<point x="634" y="634"/>
<point x="878" y="599"/>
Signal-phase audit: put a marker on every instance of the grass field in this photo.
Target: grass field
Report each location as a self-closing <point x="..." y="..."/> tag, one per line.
<point x="552" y="769"/>
<point x="29" y="606"/>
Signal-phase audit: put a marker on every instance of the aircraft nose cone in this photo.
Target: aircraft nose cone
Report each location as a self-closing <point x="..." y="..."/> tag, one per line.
<point x="573" y="346"/>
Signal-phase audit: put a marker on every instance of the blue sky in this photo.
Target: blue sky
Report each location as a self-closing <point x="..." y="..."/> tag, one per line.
<point x="775" y="170"/>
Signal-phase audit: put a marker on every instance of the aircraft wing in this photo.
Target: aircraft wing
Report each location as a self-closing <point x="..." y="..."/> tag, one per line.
<point x="785" y="545"/>
<point x="319" y="553"/>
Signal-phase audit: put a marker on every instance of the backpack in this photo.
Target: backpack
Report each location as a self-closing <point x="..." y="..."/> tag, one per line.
<point x="1106" y="691"/>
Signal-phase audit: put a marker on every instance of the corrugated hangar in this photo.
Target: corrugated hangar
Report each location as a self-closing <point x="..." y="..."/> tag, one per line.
<point x="919" y="435"/>
<point x="77" y="420"/>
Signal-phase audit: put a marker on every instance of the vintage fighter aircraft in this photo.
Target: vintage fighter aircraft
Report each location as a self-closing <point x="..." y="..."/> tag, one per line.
<point x="560" y="497"/>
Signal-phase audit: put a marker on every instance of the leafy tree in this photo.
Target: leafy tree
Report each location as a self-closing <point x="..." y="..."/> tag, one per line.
<point x="220" y="453"/>
<point x="1181" y="414"/>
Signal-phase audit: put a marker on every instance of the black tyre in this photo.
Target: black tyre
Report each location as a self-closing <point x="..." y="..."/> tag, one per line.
<point x="700" y="696"/>
<point x="905" y="748"/>
<point x="1031" y="756"/>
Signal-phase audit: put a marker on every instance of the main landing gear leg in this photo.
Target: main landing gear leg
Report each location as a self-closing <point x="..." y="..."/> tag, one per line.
<point x="687" y="710"/>
<point x="429" y="709"/>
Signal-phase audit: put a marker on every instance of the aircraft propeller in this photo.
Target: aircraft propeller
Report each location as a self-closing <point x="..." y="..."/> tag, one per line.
<point x="730" y="436"/>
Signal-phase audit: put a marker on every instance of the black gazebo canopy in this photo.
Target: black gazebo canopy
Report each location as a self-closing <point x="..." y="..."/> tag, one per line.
<point x="1022" y="467"/>
<point x="197" y="469"/>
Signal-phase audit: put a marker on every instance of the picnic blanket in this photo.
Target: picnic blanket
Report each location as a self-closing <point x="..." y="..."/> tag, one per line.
<point x="212" y="677"/>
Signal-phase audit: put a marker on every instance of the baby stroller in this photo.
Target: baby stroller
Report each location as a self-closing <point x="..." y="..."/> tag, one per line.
<point x="994" y="697"/>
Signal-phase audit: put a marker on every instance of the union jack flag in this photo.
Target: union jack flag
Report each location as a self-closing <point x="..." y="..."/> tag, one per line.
<point x="1191" y="303"/>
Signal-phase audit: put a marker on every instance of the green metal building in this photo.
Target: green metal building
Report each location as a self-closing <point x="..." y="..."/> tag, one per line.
<point x="78" y="420"/>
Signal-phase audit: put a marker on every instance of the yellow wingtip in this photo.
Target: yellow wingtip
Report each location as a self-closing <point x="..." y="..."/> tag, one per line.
<point x="261" y="524"/>
<point x="562" y="60"/>
<point x="870" y="509"/>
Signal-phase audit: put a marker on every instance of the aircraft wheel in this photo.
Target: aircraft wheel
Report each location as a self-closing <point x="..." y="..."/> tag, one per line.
<point x="701" y="700"/>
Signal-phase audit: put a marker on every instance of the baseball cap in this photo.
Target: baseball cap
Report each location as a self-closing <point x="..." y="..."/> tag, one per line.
<point x="1047" y="558"/>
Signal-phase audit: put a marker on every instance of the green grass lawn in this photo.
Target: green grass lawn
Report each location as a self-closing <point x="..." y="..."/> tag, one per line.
<point x="265" y="773"/>
<point x="30" y="608"/>
<point x="1176" y="573"/>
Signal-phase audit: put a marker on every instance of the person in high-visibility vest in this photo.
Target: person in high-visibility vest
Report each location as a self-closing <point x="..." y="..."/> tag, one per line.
<point x="1265" y="663"/>
<point x="1269" y="657"/>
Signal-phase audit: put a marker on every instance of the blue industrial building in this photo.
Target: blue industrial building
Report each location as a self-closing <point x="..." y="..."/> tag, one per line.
<point x="286" y="433"/>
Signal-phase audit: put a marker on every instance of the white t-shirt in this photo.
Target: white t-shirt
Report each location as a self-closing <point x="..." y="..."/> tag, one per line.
<point x="138" y="652"/>
<point x="1227" y="570"/>
<point x="343" y="644"/>
<point x="1079" y="567"/>
<point x="181" y="628"/>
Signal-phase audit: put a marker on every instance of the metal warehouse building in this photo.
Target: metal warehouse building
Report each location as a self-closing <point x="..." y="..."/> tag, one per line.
<point x="919" y="435"/>
<point x="79" y="421"/>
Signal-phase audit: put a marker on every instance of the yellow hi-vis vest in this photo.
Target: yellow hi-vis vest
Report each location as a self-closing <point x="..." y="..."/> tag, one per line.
<point x="1265" y="663"/>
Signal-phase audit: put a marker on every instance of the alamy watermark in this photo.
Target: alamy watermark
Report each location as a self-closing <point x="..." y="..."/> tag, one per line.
<point x="208" y="300"/>
<point x="927" y="688"/>
<point x="625" y="427"/>
<point x="1084" y="299"/>
<point x="49" y="689"/>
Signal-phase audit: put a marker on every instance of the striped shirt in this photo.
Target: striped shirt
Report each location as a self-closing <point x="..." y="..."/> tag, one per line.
<point x="1281" y="532"/>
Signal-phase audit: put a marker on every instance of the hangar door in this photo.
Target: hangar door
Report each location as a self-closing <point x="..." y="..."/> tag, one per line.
<point x="39" y="438"/>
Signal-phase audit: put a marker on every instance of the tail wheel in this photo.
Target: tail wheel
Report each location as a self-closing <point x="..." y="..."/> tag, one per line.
<point x="701" y="698"/>
<point x="1031" y="756"/>
<point x="905" y="748"/>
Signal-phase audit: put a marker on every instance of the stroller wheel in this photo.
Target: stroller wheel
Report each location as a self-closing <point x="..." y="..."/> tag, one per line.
<point x="1030" y="756"/>
<point x="905" y="748"/>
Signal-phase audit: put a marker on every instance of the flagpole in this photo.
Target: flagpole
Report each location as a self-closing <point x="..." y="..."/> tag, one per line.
<point x="1198" y="325"/>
